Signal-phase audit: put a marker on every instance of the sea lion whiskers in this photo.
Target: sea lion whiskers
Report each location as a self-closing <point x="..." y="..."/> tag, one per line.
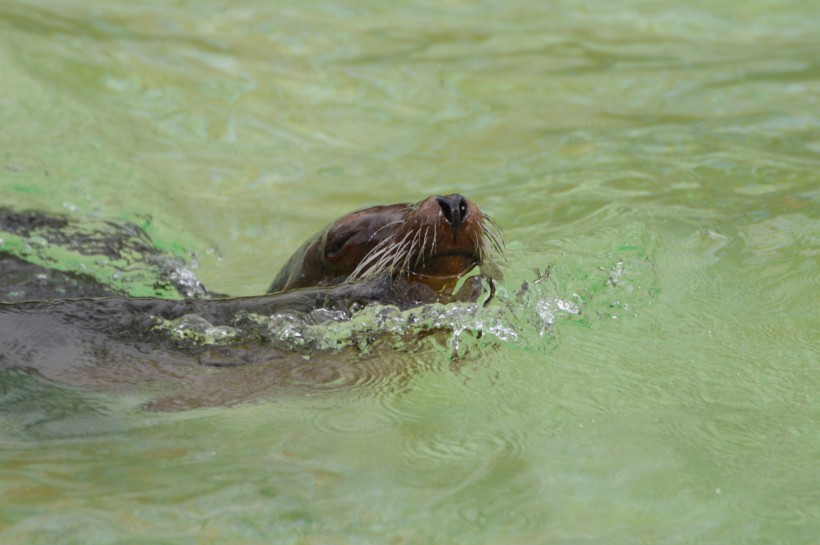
<point x="478" y="242"/>
<point x="491" y="225"/>
<point x="399" y="253"/>
<point x="435" y="241"/>
<point x="401" y="261"/>
<point x="424" y="245"/>
<point x="413" y="246"/>
<point x="406" y="253"/>
<point x="418" y="248"/>
<point x="385" y="226"/>
<point x="491" y="236"/>
<point x="382" y="259"/>
<point x="373" y="260"/>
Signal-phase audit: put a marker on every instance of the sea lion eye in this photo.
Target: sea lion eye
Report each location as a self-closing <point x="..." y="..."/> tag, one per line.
<point x="339" y="243"/>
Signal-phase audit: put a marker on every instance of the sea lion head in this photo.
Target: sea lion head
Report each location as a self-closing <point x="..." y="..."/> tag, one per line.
<point x="435" y="242"/>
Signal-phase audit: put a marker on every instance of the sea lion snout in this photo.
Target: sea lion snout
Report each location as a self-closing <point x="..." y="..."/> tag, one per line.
<point x="454" y="207"/>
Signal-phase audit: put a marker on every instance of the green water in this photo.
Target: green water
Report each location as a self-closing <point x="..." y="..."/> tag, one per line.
<point x="680" y="139"/>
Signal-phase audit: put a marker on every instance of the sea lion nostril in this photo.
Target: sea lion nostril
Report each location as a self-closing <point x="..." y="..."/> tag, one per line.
<point x="462" y="206"/>
<point x="446" y="209"/>
<point x="454" y="208"/>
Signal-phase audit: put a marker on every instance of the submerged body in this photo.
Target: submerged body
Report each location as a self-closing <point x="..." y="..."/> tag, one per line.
<point x="400" y="255"/>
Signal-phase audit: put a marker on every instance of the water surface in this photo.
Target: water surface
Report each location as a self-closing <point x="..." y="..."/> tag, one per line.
<point x="672" y="148"/>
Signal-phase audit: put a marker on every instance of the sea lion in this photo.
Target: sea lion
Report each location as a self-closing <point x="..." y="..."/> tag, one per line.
<point x="434" y="242"/>
<point x="403" y="255"/>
